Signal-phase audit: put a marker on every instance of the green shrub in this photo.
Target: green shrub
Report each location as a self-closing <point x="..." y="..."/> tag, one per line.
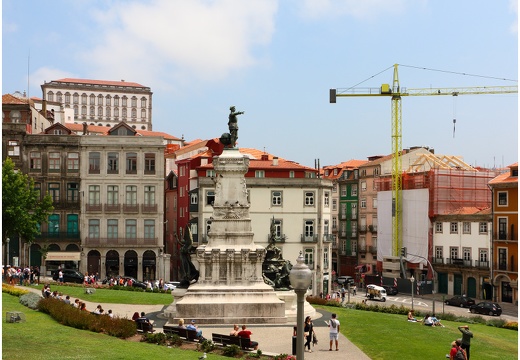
<point x="175" y="340"/>
<point x="231" y="351"/>
<point x="511" y="325"/>
<point x="159" y="338"/>
<point x="498" y="323"/>
<point x="30" y="300"/>
<point x="206" y="346"/>
<point x="70" y="316"/>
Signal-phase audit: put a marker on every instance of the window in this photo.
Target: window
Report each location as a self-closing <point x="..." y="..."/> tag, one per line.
<point x="13" y="148"/>
<point x="502" y="259"/>
<point x="72" y="225"/>
<point x="353" y="190"/>
<point x="193" y="198"/>
<point x="94" y="162"/>
<point x="291" y="174"/>
<point x="134" y="113"/>
<point x="35" y="160"/>
<point x="116" y="112"/>
<point x="123" y="113"/>
<point x="100" y="111"/>
<point x="482" y="228"/>
<point x="54" y="192"/>
<point x="343" y="190"/>
<point x="131" y="195"/>
<point x="454" y="252"/>
<point x="309" y="198"/>
<point x="502" y="198"/>
<point x="94" y="195"/>
<point x="374" y="203"/>
<point x="210" y="197"/>
<point x="15" y="116"/>
<point x="438" y="227"/>
<point x="131" y="229"/>
<point x="67" y="98"/>
<point x="53" y="224"/>
<point x="376" y="171"/>
<point x="72" y="192"/>
<point x="92" y="99"/>
<point x="326" y="200"/>
<point x="84" y="111"/>
<point x="113" y="163"/>
<point x="466" y="227"/>
<point x="334" y="204"/>
<point x="50" y="96"/>
<point x="112" y="228"/>
<point x="54" y="161"/>
<point x="326" y="229"/>
<point x="210" y="173"/>
<point x="143" y="102"/>
<point x="113" y="195"/>
<point x="116" y="100"/>
<point x="131" y="163"/>
<point x="502" y="228"/>
<point x="276" y="198"/>
<point x="149" y="163"/>
<point x="75" y="98"/>
<point x="363" y="186"/>
<point x="363" y="203"/>
<point x="438" y="252"/>
<point x="108" y="100"/>
<point x="326" y="258"/>
<point x="149" y="195"/>
<point x="108" y="112"/>
<point x="149" y="229"/>
<point x="309" y="228"/>
<point x="124" y="101"/>
<point x="259" y="173"/>
<point x="100" y="100"/>
<point x="334" y="222"/>
<point x="335" y="188"/>
<point x="483" y="255"/>
<point x="454" y="228"/>
<point x="466" y="253"/>
<point x="93" y="228"/>
<point x="38" y="190"/>
<point x="84" y="99"/>
<point x="143" y="114"/>
<point x="73" y="161"/>
<point x="309" y="257"/>
<point x="278" y="228"/>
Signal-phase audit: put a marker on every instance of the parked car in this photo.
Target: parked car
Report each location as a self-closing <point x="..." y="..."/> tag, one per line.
<point x="69" y="275"/>
<point x="390" y="290"/>
<point x="136" y="283"/>
<point x="460" y="300"/>
<point x="171" y="285"/>
<point x="344" y="280"/>
<point x="486" y="308"/>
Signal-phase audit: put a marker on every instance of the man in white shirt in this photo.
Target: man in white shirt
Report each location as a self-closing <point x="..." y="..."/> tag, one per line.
<point x="333" y="331"/>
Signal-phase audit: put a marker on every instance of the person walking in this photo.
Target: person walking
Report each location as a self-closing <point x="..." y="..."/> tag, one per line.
<point x="333" y="331"/>
<point x="466" y="338"/>
<point x="308" y="331"/>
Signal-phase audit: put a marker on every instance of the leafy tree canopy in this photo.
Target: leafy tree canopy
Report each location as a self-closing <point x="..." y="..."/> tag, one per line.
<point x="22" y="210"/>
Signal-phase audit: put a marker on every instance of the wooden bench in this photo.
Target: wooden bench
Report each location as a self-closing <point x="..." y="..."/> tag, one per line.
<point x="143" y="327"/>
<point x="243" y="343"/>
<point x="190" y="335"/>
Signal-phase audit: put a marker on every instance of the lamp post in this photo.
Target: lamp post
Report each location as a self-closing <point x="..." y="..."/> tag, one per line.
<point x="7" y="251"/>
<point x="412" y="280"/>
<point x="300" y="277"/>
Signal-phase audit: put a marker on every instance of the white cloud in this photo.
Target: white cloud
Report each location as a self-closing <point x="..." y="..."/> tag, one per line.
<point x="361" y="9"/>
<point x="40" y="75"/>
<point x="181" y="40"/>
<point x="9" y="27"/>
<point x="513" y="5"/>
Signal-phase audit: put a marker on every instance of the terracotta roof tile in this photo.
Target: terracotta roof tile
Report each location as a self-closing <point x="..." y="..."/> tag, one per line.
<point x="100" y="82"/>
<point x="506" y="177"/>
<point x="470" y="210"/>
<point x="103" y="130"/>
<point x="13" y="100"/>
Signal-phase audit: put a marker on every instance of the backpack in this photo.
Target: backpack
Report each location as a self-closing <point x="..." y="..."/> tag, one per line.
<point x="461" y="354"/>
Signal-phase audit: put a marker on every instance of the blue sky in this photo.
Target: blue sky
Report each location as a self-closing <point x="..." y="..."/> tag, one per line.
<point x="276" y="60"/>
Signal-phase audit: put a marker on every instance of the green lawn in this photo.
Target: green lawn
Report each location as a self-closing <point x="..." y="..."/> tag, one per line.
<point x="42" y="338"/>
<point x="113" y="296"/>
<point x="387" y="336"/>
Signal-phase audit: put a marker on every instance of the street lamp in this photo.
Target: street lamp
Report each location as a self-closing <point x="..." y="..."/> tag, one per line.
<point x="7" y="251"/>
<point x="300" y="277"/>
<point x="412" y="279"/>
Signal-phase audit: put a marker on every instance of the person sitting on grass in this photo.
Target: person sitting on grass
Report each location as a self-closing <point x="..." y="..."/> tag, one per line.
<point x="428" y="320"/>
<point x="436" y="322"/>
<point x="411" y="316"/>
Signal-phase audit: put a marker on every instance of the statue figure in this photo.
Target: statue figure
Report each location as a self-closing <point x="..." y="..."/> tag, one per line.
<point x="275" y="269"/>
<point x="191" y="274"/>
<point x="233" y="125"/>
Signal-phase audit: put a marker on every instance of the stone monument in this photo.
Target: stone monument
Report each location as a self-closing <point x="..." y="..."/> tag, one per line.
<point x="230" y="288"/>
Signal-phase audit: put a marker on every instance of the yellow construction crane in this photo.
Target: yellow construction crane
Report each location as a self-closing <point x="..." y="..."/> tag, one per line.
<point x="395" y="92"/>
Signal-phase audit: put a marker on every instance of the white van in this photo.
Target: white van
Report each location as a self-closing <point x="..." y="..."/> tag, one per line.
<point x="375" y="292"/>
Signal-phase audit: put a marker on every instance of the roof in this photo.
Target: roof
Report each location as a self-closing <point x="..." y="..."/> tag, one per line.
<point x="99" y="82"/>
<point x="350" y="164"/>
<point x="103" y="130"/>
<point x="470" y="210"/>
<point x="13" y="100"/>
<point x="506" y="178"/>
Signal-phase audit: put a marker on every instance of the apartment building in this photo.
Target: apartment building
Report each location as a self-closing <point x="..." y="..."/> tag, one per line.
<point x="504" y="239"/>
<point x="102" y="102"/>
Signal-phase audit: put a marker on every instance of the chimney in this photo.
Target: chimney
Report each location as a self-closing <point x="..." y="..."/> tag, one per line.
<point x="275" y="161"/>
<point x="44" y="107"/>
<point x="85" y="128"/>
<point x="264" y="157"/>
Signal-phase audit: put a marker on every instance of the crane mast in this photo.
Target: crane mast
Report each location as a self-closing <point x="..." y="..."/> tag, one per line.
<point x="396" y="92"/>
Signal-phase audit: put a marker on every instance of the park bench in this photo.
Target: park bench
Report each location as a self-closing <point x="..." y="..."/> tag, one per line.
<point x="243" y="343"/>
<point x="190" y="335"/>
<point x="143" y="327"/>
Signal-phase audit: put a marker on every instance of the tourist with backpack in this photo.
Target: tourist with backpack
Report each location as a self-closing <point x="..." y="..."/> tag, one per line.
<point x="457" y="352"/>
<point x="333" y="331"/>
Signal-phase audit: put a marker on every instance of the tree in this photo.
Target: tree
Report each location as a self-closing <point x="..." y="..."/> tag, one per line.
<point x="22" y="210"/>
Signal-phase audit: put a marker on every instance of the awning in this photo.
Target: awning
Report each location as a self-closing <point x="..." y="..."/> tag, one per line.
<point x="359" y="267"/>
<point x="63" y="256"/>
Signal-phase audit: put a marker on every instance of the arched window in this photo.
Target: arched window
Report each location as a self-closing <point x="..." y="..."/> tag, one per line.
<point x="143" y="114"/>
<point x="134" y="113"/>
<point x="143" y="102"/>
<point x="75" y="98"/>
<point x="134" y="101"/>
<point x="59" y="97"/>
<point x="92" y="99"/>
<point x="50" y="96"/>
<point x="100" y="111"/>
<point x="100" y="100"/>
<point x="84" y="99"/>
<point x="108" y="112"/>
<point x="108" y="100"/>
<point x="92" y="111"/>
<point x="124" y="113"/>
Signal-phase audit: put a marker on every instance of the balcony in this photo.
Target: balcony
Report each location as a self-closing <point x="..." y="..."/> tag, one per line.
<point x="372" y="228"/>
<point x="130" y="209"/>
<point x="438" y="261"/>
<point x="149" y="209"/>
<point x="373" y="250"/>
<point x="362" y="249"/>
<point x="121" y="241"/>
<point x="482" y="264"/>
<point x="93" y="208"/>
<point x="362" y="228"/>
<point x="66" y="204"/>
<point x="59" y="235"/>
<point x="112" y="208"/>
<point x="459" y="262"/>
<point x="328" y="238"/>
<point x="277" y="239"/>
<point x="309" y="238"/>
